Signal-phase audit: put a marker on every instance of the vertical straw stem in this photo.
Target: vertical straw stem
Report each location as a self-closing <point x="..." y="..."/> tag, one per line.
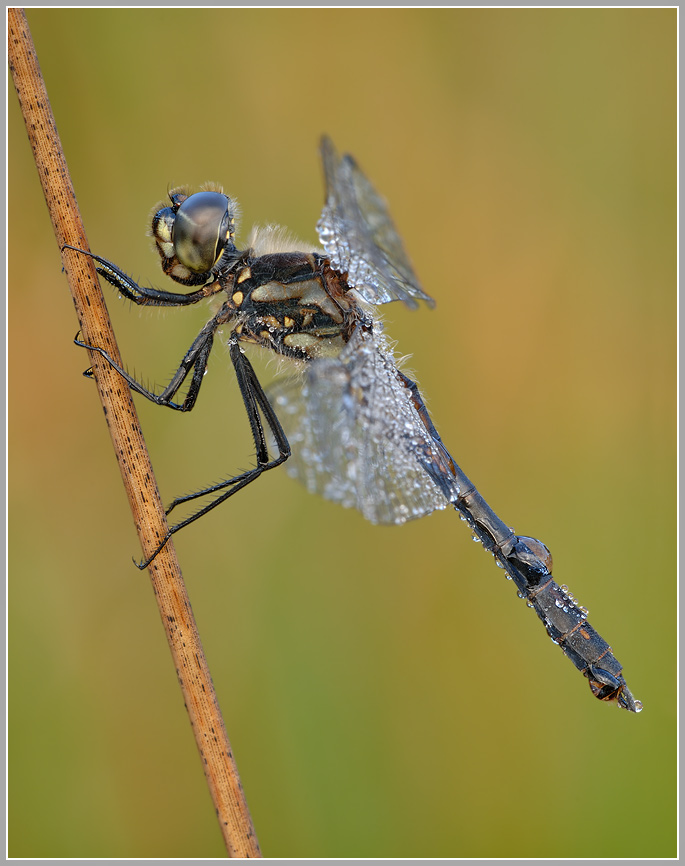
<point x="134" y="462"/>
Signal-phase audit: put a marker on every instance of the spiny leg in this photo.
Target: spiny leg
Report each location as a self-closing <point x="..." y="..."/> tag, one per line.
<point x="254" y="400"/>
<point x="195" y="359"/>
<point x="145" y="295"/>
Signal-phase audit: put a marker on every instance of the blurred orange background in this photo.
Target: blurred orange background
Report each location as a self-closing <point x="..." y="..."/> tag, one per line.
<point x="385" y="692"/>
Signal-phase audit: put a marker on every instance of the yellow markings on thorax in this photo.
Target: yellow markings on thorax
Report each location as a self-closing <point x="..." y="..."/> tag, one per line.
<point x="245" y="274"/>
<point x="309" y="292"/>
<point x="238" y="298"/>
<point x="300" y="341"/>
<point x="315" y="345"/>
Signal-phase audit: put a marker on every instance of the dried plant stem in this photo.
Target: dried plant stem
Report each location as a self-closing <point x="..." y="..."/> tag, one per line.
<point x="129" y="446"/>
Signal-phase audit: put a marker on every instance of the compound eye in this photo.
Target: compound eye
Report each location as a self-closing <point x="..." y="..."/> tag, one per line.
<point x="201" y="230"/>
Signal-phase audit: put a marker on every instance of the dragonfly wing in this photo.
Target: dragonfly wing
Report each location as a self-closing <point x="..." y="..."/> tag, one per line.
<point x="360" y="237"/>
<point x="356" y="436"/>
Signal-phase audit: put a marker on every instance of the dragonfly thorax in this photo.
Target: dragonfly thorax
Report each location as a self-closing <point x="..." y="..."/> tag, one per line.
<point x="293" y="304"/>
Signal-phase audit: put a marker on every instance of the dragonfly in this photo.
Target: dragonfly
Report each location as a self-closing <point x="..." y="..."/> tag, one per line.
<point x="351" y="426"/>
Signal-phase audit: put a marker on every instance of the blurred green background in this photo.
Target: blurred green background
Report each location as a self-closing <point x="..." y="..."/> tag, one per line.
<point x="385" y="692"/>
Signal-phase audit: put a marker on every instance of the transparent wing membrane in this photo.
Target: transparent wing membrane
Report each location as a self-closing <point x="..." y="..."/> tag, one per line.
<point x="356" y="436"/>
<point x="360" y="237"/>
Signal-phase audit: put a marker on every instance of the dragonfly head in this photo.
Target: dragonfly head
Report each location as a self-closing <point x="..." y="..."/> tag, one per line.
<point x="195" y="235"/>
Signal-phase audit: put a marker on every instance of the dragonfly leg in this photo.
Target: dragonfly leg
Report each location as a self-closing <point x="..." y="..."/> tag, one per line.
<point x="195" y="359"/>
<point x="145" y="295"/>
<point x="255" y="401"/>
